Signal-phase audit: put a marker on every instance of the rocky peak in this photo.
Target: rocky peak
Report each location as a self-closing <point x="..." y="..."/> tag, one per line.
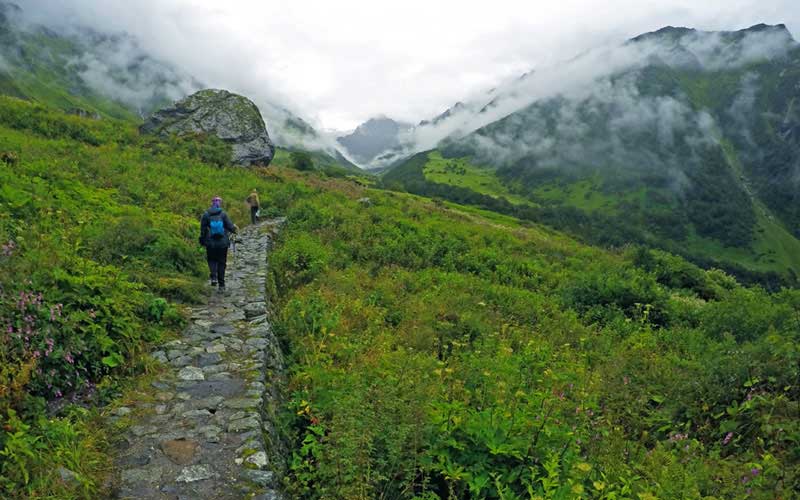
<point x="373" y="137"/>
<point x="231" y="117"/>
<point x="666" y="33"/>
<point x="676" y="34"/>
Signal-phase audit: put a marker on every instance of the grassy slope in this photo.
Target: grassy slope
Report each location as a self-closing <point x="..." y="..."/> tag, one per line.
<point x="429" y="343"/>
<point x="397" y="314"/>
<point x="460" y="172"/>
<point x="105" y="223"/>
<point x="587" y="195"/>
<point x="773" y="249"/>
<point x="44" y="71"/>
<point x="323" y="161"/>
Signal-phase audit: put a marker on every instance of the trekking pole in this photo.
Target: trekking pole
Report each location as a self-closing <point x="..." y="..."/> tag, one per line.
<point x="233" y="244"/>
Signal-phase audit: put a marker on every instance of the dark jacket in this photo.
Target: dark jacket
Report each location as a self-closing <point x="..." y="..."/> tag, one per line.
<point x="205" y="228"/>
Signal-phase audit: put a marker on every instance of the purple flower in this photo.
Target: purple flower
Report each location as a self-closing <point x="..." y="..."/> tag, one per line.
<point x="754" y="471"/>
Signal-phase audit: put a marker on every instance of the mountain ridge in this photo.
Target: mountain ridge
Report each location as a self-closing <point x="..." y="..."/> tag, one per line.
<point x="373" y="137"/>
<point x="687" y="129"/>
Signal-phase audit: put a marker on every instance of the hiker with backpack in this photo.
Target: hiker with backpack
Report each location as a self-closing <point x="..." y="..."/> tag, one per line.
<point x="254" y="203"/>
<point x="215" y="227"/>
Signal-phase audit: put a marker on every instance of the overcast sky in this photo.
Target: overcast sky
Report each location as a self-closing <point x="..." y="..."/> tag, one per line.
<point x="338" y="63"/>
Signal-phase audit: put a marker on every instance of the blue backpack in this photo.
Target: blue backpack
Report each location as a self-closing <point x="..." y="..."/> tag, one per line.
<point x="217" y="224"/>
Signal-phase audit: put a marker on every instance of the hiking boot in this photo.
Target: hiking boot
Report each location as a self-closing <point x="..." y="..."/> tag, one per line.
<point x="222" y="289"/>
<point x="213" y="282"/>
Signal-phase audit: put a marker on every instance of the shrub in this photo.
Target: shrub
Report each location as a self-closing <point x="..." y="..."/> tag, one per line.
<point x="298" y="262"/>
<point x="301" y="161"/>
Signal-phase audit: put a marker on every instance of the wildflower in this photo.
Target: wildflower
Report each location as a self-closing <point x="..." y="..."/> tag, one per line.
<point x="678" y="437"/>
<point x="755" y="471"/>
<point x="727" y="439"/>
<point x="8" y="248"/>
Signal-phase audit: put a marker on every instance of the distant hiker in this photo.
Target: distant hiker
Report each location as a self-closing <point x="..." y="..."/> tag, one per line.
<point x="254" y="203"/>
<point x="215" y="226"/>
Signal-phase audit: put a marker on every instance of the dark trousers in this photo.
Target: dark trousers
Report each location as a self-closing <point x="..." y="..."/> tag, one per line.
<point x="217" y="261"/>
<point x="253" y="217"/>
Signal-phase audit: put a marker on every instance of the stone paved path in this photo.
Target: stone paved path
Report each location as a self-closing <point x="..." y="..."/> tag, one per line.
<point x="205" y="431"/>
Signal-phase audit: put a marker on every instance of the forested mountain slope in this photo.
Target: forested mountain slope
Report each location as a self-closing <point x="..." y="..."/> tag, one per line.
<point x="693" y="147"/>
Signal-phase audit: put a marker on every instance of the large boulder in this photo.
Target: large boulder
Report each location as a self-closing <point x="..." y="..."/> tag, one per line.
<point x="231" y="117"/>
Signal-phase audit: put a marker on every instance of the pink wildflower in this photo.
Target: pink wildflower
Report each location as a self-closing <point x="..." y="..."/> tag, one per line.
<point x="727" y="439"/>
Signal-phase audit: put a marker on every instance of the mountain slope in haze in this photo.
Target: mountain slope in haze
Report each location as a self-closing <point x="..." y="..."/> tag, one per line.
<point x="83" y="71"/>
<point x="372" y="138"/>
<point x="691" y="143"/>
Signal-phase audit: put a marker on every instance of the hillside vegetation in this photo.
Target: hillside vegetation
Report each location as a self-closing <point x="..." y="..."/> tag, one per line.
<point x="688" y="149"/>
<point x="440" y="354"/>
<point x="99" y="232"/>
<point x="435" y="351"/>
<point x="67" y="70"/>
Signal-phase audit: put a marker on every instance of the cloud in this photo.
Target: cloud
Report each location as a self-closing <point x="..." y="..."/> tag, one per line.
<point x="338" y="63"/>
<point x="117" y="67"/>
<point x="588" y="79"/>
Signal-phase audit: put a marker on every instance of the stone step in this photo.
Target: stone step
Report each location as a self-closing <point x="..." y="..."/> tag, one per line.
<point x="200" y="433"/>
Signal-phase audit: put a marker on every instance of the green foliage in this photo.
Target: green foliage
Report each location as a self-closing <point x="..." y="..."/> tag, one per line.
<point x="301" y="160"/>
<point x="31" y="450"/>
<point x="437" y="354"/>
<point x="609" y="213"/>
<point x="98" y="239"/>
<point x="300" y="260"/>
<point x="205" y="148"/>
